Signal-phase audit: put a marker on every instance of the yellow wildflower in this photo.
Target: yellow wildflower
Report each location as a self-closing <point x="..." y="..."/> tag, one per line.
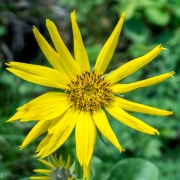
<point x="86" y="94"/>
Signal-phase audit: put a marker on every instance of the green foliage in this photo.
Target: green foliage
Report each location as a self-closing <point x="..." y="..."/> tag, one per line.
<point x="135" y="169"/>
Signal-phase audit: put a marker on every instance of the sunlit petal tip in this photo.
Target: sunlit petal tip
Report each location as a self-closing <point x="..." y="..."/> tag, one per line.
<point x="9" y="121"/>
<point x="123" y="14"/>
<point x="21" y="147"/>
<point x="73" y="14"/>
<point x="172" y="73"/>
<point x="7" y="63"/>
<point x="35" y="29"/>
<point x="161" y="47"/>
<point x="157" y="133"/>
<point x="169" y="113"/>
<point x="121" y="149"/>
<point x="48" y="21"/>
<point x="9" y="69"/>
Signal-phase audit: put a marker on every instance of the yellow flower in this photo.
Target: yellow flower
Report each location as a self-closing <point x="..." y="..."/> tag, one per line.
<point x="86" y="94"/>
<point x="56" y="170"/>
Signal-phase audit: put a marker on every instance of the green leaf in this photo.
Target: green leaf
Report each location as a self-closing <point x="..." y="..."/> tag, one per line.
<point x="135" y="30"/>
<point x="157" y="16"/>
<point x="134" y="169"/>
<point x="98" y="169"/>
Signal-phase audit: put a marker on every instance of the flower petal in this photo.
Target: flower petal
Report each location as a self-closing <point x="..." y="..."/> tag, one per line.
<point x="85" y="134"/>
<point x="79" y="49"/>
<point x="60" y="134"/>
<point x="130" y="121"/>
<point x="51" y="55"/>
<point x="133" y="65"/>
<point x="69" y="64"/>
<point x="107" y="51"/>
<point x="46" y="163"/>
<point x="38" y="74"/>
<point x="45" y="107"/>
<point x="123" y="88"/>
<point x="39" y="177"/>
<point x="132" y="106"/>
<point x="104" y="127"/>
<point x="46" y="171"/>
<point x="86" y="171"/>
<point x="43" y="143"/>
<point x="40" y="128"/>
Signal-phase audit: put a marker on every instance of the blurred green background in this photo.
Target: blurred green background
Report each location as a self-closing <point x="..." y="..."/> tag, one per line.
<point x="147" y="24"/>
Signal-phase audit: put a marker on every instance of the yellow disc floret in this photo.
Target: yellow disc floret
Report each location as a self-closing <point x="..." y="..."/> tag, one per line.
<point x="89" y="91"/>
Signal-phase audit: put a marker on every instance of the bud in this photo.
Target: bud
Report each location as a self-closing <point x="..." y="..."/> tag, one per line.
<point x="57" y="170"/>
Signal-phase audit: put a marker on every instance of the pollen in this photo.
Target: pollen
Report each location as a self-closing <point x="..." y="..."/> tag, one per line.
<point x="89" y="91"/>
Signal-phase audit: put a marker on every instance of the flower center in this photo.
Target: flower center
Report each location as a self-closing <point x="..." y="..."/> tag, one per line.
<point x="90" y="91"/>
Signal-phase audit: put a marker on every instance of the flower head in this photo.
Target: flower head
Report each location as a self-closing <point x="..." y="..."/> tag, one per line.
<point x="86" y="94"/>
<point x="56" y="170"/>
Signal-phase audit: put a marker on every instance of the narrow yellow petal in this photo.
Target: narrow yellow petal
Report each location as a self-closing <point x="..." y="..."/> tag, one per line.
<point x="91" y="137"/>
<point x="79" y="49"/>
<point x="133" y="65"/>
<point x="23" y="116"/>
<point x="123" y="88"/>
<point x="80" y="139"/>
<point x="40" y="177"/>
<point x="47" y="106"/>
<point x="72" y="178"/>
<point x="104" y="127"/>
<point x="38" y="74"/>
<point x="130" y="121"/>
<point x="85" y="137"/>
<point x="62" y="122"/>
<point x="42" y="144"/>
<point x="68" y="163"/>
<point x="40" y="128"/>
<point x="59" y="136"/>
<point x="86" y="171"/>
<point x="48" y="164"/>
<point x="51" y="55"/>
<point x="54" y="161"/>
<point x="46" y="171"/>
<point x="61" y="160"/>
<point x="132" y="106"/>
<point x="107" y="51"/>
<point x="68" y="62"/>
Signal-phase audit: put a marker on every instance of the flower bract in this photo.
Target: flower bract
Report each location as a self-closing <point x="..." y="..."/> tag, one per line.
<point x="57" y="169"/>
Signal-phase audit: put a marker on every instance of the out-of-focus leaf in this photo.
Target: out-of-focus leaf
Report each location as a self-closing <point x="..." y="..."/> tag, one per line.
<point x="157" y="16"/>
<point x="153" y="149"/>
<point x="129" y="7"/>
<point x="134" y="169"/>
<point x="135" y="30"/>
<point x="150" y="3"/>
<point x="99" y="170"/>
